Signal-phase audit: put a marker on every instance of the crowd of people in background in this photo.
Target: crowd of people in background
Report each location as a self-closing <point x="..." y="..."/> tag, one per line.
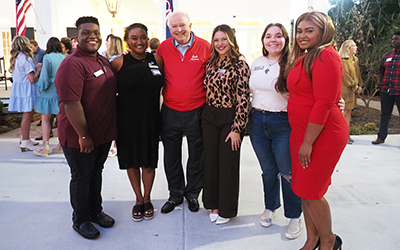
<point x="109" y="102"/>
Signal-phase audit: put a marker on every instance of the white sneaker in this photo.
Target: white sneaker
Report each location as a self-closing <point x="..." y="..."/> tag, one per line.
<point x="27" y="145"/>
<point x="293" y="230"/>
<point x="222" y="220"/>
<point x="213" y="217"/>
<point x="266" y="218"/>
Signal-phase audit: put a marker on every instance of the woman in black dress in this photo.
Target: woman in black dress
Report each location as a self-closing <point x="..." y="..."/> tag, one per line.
<point x="138" y="116"/>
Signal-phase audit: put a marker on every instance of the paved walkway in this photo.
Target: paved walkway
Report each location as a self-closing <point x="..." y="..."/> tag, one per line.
<point x="35" y="212"/>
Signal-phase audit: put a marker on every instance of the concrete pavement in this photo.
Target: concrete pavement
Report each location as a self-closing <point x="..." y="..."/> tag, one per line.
<point x="35" y="212"/>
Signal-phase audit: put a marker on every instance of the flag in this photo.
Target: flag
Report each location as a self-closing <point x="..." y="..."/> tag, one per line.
<point x="22" y="8"/>
<point x="168" y="10"/>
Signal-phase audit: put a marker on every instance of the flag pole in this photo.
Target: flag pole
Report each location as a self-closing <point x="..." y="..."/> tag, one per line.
<point x="37" y="17"/>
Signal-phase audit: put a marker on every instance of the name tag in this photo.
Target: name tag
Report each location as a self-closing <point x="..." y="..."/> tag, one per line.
<point x="156" y="72"/>
<point x="258" y="67"/>
<point x="98" y="73"/>
<point x="389" y="59"/>
<point x="153" y="66"/>
<point x="221" y="71"/>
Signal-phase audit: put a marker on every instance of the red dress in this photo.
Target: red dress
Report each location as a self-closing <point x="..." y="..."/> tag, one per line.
<point x="316" y="102"/>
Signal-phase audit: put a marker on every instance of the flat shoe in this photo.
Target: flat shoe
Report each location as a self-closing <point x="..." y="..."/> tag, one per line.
<point x="103" y="220"/>
<point x="148" y="211"/>
<point x="86" y="230"/>
<point x="222" y="220"/>
<point x="169" y="206"/>
<point x="213" y="217"/>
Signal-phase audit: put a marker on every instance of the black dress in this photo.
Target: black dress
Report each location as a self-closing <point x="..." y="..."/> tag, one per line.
<point x="138" y="112"/>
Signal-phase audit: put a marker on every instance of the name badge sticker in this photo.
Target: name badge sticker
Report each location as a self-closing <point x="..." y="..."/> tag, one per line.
<point x="389" y="59"/>
<point x="259" y="67"/>
<point x="98" y="73"/>
<point x="156" y="72"/>
<point x="221" y="71"/>
<point x="153" y="66"/>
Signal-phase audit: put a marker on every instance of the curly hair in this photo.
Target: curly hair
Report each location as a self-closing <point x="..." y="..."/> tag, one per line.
<point x="86" y="19"/>
<point x="19" y="44"/>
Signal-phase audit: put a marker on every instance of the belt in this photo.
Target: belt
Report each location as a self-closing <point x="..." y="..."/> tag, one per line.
<point x="269" y="112"/>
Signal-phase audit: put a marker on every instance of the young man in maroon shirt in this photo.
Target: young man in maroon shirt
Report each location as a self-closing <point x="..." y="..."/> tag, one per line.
<point x="86" y="86"/>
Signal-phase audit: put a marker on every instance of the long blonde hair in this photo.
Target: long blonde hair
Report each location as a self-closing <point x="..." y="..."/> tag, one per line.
<point x="344" y="51"/>
<point x="19" y="44"/>
<point x="325" y="24"/>
<point x="116" y="46"/>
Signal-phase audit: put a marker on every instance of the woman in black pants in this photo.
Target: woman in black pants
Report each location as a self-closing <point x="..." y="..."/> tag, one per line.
<point x="224" y="118"/>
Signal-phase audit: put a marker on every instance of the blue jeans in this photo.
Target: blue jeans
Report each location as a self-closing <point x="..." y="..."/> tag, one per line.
<point x="387" y="104"/>
<point x="270" y="135"/>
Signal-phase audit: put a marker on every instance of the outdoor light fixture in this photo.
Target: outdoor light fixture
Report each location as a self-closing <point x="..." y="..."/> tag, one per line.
<point x="113" y="6"/>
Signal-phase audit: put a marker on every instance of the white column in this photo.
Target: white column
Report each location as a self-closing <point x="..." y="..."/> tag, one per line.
<point x="43" y="21"/>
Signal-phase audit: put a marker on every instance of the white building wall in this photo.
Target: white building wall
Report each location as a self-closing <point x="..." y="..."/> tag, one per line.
<point x="249" y="18"/>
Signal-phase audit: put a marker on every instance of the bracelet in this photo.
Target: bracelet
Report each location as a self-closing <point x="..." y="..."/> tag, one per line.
<point x="85" y="137"/>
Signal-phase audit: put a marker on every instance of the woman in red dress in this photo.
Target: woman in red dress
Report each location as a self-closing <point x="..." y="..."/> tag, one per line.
<point x="319" y="132"/>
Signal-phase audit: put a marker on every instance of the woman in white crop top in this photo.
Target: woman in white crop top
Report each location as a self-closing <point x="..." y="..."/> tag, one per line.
<point x="270" y="129"/>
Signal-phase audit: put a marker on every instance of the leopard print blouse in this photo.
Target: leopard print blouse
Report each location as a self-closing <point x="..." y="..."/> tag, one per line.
<point x="227" y="86"/>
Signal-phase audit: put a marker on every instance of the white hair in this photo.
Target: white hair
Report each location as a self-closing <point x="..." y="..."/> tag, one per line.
<point x="183" y="14"/>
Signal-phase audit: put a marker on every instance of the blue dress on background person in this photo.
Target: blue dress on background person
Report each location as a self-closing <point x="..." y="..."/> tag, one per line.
<point x="23" y="92"/>
<point x="47" y="102"/>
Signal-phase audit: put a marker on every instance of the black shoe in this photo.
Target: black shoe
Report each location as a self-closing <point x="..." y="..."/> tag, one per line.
<point x="194" y="205"/>
<point x="377" y="141"/>
<point x="169" y="206"/>
<point x="103" y="220"/>
<point x="86" y="230"/>
<point x="338" y="243"/>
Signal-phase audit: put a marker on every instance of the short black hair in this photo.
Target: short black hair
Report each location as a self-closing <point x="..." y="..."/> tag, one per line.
<point x="397" y="33"/>
<point x="133" y="26"/>
<point x="53" y="45"/>
<point x="86" y="19"/>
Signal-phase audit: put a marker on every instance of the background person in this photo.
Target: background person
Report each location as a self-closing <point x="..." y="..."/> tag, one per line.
<point x="389" y="87"/>
<point x="352" y="81"/>
<point x="224" y="119"/>
<point x="138" y="116"/>
<point x="114" y="49"/>
<point x="270" y="129"/>
<point x="38" y="53"/>
<point x="153" y="44"/>
<point x="47" y="102"/>
<point x="24" y="92"/>
<point x="184" y="98"/>
<point x="317" y="124"/>
<point x="66" y="45"/>
<point x="86" y="86"/>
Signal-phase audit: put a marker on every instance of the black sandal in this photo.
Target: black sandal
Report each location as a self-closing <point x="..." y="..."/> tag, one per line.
<point x="148" y="211"/>
<point x="137" y="212"/>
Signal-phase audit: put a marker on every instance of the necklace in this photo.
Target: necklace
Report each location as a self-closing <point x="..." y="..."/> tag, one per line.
<point x="270" y="64"/>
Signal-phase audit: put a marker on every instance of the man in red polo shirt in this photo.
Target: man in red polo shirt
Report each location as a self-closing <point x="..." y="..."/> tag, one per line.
<point x="185" y="56"/>
<point x="86" y="87"/>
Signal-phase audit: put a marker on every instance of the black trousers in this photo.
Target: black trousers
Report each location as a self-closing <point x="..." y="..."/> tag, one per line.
<point x="221" y="163"/>
<point x="86" y="179"/>
<point x="387" y="104"/>
<point x="175" y="125"/>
